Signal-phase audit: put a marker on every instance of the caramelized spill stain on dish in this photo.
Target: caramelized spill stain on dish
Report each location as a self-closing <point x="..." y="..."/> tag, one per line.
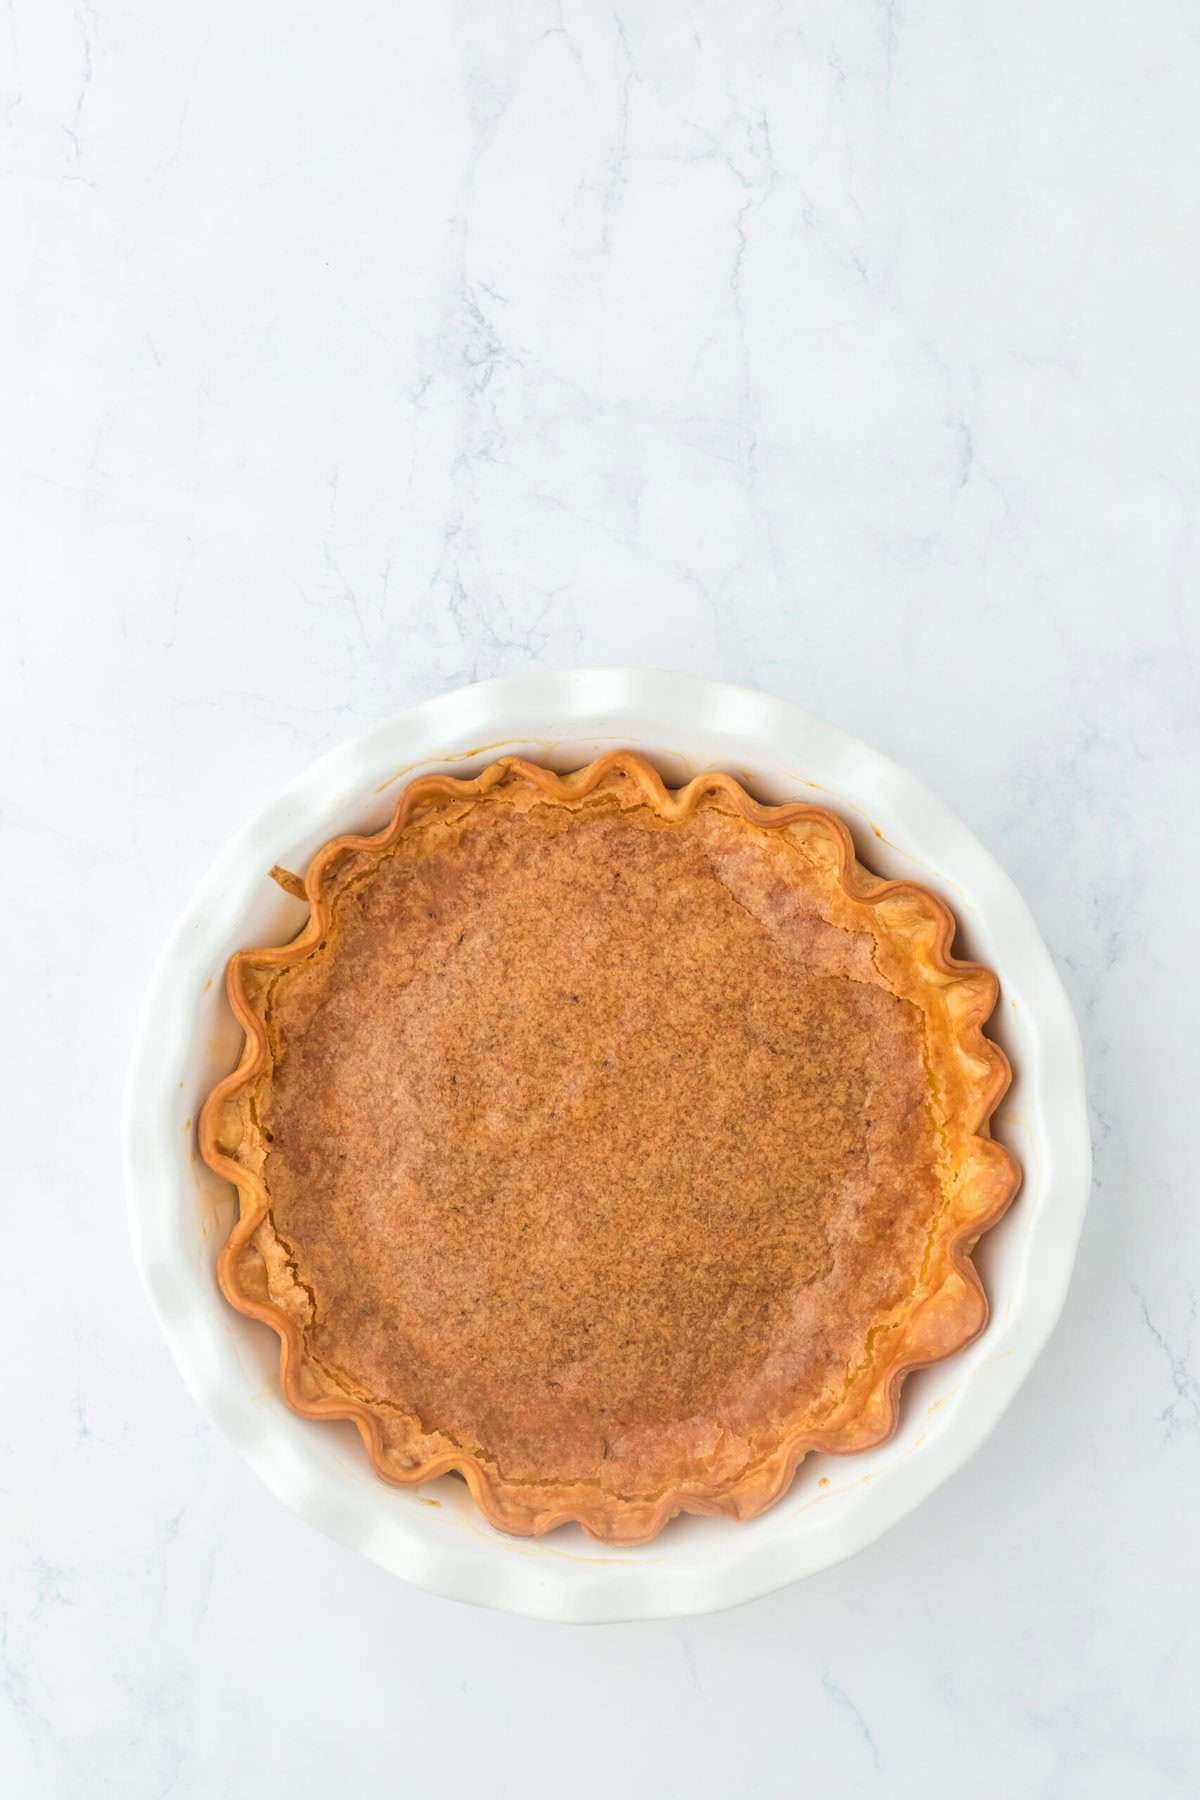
<point x="882" y="837"/>
<point x="611" y="1146"/>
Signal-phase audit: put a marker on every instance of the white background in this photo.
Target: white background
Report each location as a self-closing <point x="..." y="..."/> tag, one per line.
<point x="354" y="351"/>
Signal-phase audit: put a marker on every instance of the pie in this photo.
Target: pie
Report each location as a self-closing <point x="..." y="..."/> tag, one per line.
<point x="610" y="1145"/>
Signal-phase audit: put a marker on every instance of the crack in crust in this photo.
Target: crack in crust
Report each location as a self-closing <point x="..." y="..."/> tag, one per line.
<point x="940" y="1322"/>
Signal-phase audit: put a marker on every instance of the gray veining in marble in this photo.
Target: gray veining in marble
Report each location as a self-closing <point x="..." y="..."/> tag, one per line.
<point x="353" y="352"/>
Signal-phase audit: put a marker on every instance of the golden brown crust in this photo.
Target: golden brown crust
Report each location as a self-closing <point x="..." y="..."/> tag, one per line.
<point x="759" y="1377"/>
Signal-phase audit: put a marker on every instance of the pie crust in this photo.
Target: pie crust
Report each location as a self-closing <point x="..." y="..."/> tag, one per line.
<point x="609" y="1145"/>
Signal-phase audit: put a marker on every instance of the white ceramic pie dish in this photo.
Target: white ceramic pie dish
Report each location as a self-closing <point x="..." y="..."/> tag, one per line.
<point x="180" y="1212"/>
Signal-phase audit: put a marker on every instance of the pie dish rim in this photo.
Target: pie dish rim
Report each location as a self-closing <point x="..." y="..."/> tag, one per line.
<point x="182" y="1042"/>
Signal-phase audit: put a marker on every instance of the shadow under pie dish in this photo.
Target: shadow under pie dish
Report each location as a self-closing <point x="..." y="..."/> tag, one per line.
<point x="612" y="1146"/>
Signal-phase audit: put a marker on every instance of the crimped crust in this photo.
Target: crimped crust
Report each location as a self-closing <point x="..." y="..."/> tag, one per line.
<point x="612" y="1146"/>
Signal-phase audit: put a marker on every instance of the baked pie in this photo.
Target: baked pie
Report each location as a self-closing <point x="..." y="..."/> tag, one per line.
<point x="610" y="1145"/>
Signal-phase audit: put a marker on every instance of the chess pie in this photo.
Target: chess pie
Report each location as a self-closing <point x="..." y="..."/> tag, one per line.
<point x="610" y="1145"/>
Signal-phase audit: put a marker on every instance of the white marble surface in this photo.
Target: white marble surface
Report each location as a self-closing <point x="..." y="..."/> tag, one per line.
<point x="352" y="352"/>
